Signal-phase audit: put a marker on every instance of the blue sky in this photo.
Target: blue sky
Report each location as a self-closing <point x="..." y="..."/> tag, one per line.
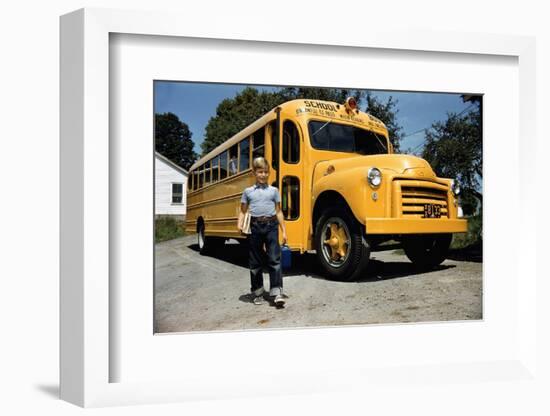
<point x="195" y="104"/>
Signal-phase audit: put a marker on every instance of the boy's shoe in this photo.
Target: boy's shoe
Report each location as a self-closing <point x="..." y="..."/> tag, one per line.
<point x="279" y="301"/>
<point x="258" y="300"/>
<point x="257" y="296"/>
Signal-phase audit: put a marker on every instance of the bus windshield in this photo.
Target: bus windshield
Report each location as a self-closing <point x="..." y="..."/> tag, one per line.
<point x="344" y="138"/>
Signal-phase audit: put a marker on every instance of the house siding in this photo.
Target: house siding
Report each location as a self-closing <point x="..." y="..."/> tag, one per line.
<point x="165" y="176"/>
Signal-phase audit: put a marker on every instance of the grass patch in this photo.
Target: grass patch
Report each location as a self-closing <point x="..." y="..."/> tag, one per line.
<point x="472" y="237"/>
<point x="167" y="228"/>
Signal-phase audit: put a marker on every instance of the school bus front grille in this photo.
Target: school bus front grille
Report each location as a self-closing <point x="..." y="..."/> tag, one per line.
<point x="410" y="197"/>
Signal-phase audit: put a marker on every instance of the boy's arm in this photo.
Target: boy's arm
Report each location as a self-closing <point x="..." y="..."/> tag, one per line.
<point x="244" y="207"/>
<point x="281" y="220"/>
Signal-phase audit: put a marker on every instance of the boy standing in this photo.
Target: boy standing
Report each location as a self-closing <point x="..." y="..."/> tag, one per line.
<point x="264" y="203"/>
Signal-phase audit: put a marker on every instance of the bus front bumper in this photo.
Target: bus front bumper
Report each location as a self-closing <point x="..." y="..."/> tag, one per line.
<point x="415" y="226"/>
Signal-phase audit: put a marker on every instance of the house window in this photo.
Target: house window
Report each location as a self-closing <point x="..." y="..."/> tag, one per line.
<point x="177" y="193"/>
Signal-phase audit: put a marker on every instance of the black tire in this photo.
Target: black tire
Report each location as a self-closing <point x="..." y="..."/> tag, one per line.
<point x="427" y="251"/>
<point x="208" y="245"/>
<point x="356" y="251"/>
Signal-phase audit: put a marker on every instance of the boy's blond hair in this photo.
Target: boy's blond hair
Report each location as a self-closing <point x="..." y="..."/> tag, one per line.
<point x="260" y="163"/>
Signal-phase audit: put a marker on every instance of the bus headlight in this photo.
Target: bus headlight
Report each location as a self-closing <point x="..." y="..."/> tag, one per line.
<point x="455" y="187"/>
<point x="374" y="177"/>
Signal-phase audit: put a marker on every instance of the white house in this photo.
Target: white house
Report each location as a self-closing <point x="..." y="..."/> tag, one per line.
<point x="170" y="188"/>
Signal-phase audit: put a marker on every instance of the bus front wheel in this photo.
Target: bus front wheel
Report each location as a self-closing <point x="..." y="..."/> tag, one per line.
<point x="427" y="251"/>
<point x="342" y="250"/>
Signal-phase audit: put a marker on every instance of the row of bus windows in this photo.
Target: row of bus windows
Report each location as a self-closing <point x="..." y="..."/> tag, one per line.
<point x="236" y="159"/>
<point x="240" y="156"/>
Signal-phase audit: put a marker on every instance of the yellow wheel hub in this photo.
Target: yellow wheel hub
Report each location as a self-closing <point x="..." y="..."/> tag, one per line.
<point x="338" y="242"/>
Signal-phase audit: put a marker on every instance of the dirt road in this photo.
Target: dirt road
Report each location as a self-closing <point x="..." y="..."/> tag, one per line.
<point x="205" y="293"/>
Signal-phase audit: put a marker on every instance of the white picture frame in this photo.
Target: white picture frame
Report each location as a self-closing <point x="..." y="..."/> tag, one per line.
<point x="87" y="307"/>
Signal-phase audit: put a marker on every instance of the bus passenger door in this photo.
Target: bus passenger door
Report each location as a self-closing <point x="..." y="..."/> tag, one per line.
<point x="290" y="178"/>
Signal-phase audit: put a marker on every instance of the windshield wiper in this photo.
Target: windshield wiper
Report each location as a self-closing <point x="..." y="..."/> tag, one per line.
<point x="380" y="141"/>
<point x="322" y="127"/>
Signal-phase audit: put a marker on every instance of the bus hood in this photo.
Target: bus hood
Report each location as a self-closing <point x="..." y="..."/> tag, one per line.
<point x="399" y="164"/>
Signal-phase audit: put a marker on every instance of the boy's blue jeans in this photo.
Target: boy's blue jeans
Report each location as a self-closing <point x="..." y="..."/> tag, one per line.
<point x="265" y="233"/>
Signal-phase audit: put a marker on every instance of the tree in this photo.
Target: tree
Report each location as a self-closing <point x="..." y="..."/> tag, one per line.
<point x="386" y="113"/>
<point x="173" y="140"/>
<point x="454" y="150"/>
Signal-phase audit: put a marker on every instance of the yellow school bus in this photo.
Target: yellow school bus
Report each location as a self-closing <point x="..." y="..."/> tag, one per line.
<point x="343" y="189"/>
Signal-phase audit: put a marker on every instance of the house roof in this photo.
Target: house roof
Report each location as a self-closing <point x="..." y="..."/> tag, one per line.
<point x="171" y="164"/>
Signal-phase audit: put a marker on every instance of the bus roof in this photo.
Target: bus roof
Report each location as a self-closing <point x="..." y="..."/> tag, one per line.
<point x="302" y="108"/>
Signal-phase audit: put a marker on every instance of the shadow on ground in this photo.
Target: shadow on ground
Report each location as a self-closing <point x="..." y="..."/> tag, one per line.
<point x="307" y="264"/>
<point x="472" y="253"/>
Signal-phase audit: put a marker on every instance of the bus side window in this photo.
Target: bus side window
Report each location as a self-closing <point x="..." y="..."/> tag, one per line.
<point x="274" y="146"/>
<point x="223" y="165"/>
<point x="207" y="173"/>
<point x="190" y="182"/>
<point x="195" y="179"/>
<point x="290" y="197"/>
<point x="215" y="166"/>
<point x="244" y="160"/>
<point x="201" y="176"/>
<point x="233" y="153"/>
<point x="258" y="139"/>
<point x="291" y="142"/>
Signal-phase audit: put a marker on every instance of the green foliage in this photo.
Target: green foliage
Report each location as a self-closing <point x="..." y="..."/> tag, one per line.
<point x="167" y="228"/>
<point x="454" y="150"/>
<point x="468" y="202"/>
<point x="473" y="237"/>
<point x="386" y="113"/>
<point x="173" y="140"/>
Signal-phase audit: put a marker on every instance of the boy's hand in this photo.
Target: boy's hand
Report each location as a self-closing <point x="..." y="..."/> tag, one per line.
<point x="284" y="237"/>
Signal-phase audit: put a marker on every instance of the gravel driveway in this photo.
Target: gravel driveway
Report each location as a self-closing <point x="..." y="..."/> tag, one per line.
<point x="205" y="293"/>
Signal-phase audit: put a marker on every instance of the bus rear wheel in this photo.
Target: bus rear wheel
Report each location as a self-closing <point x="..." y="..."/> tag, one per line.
<point x="342" y="250"/>
<point x="206" y="244"/>
<point x="427" y="251"/>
